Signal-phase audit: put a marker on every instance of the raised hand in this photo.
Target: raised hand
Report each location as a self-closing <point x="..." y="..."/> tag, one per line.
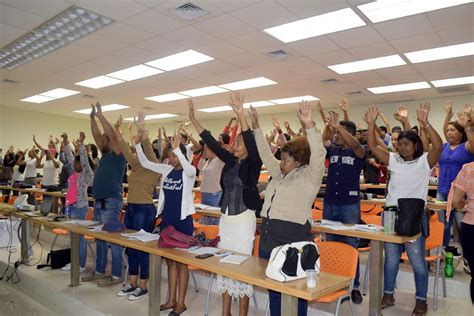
<point x="276" y="123"/>
<point x="237" y="103"/>
<point x="158" y="133"/>
<point x="192" y="114"/>
<point x="448" y="108"/>
<point x="81" y="138"/>
<point x="119" y="122"/>
<point x="422" y="113"/>
<point x="141" y="120"/>
<point x="371" y="114"/>
<point x="99" y="108"/>
<point x="305" y="113"/>
<point x="176" y="140"/>
<point x="319" y="106"/>
<point x="463" y="119"/>
<point x="403" y="111"/>
<point x="254" y="117"/>
<point x="333" y="119"/>
<point x="287" y="125"/>
<point x="344" y="105"/>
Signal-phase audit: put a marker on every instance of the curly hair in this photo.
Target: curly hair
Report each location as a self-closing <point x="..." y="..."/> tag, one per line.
<point x="298" y="148"/>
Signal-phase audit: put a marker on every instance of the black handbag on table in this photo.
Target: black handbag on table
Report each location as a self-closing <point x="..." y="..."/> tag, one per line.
<point x="409" y="216"/>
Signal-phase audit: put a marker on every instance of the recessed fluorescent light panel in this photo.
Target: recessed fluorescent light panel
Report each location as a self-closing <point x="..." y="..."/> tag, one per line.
<point x="294" y="99"/>
<point x="203" y="91"/>
<point x="180" y="60"/>
<point x="453" y="81"/>
<point x="384" y="10"/>
<point x="257" y="104"/>
<point x="154" y="116"/>
<point x="167" y="97"/>
<point x="317" y="25"/>
<point x="400" y="87"/>
<point x="99" y="82"/>
<point x="135" y="72"/>
<point x="64" y="28"/>
<point x="37" y="99"/>
<point x="368" y="64"/>
<point x="460" y="50"/>
<point x="249" y="83"/>
<point x="216" y="109"/>
<point x="59" y="93"/>
<point x="105" y="108"/>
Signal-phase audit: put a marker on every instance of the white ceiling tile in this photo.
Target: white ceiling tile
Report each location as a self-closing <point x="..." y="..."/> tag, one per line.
<point x="425" y="94"/>
<point x="444" y="68"/>
<point x="190" y="37"/>
<point x="101" y="43"/>
<point x="135" y="54"/>
<point x="48" y="11"/>
<point x="154" y="22"/>
<point x="224" y="26"/>
<point x="372" y="51"/>
<point x="19" y="18"/>
<point x="309" y="8"/>
<point x="161" y="46"/>
<point x="114" y="9"/>
<point x="274" y="14"/>
<point x="150" y="3"/>
<point x="465" y="65"/>
<point x="404" y="27"/>
<point x="420" y="42"/>
<point x="78" y="50"/>
<point x="245" y="60"/>
<point x="9" y="33"/>
<point x="259" y="42"/>
<point x="314" y="46"/>
<point x="332" y="58"/>
<point x="397" y="71"/>
<point x="121" y="32"/>
<point x="367" y="79"/>
<point x="405" y="78"/>
<point x="457" y="36"/>
<point x="356" y="37"/>
<point x="227" y="6"/>
<point x="455" y="17"/>
<point x="220" y="49"/>
<point x="299" y="65"/>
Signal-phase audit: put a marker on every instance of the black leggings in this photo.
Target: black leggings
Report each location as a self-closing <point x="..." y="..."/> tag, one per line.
<point x="467" y="233"/>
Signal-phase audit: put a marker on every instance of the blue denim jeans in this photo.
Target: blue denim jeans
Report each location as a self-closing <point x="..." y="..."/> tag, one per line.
<point x="453" y="217"/>
<point x="347" y="214"/>
<point x="139" y="216"/>
<point x="80" y="213"/>
<point x="275" y="297"/>
<point x="106" y="211"/>
<point x="416" y="255"/>
<point x="211" y="199"/>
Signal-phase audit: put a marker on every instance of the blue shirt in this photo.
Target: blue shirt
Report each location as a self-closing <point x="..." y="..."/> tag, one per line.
<point x="450" y="164"/>
<point x="109" y="176"/>
<point x="343" y="186"/>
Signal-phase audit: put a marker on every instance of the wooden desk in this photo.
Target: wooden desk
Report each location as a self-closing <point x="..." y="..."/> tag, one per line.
<point x="435" y="206"/>
<point x="251" y="271"/>
<point x="365" y="186"/>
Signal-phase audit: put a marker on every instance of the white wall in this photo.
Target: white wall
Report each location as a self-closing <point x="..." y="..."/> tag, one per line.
<point x="18" y="126"/>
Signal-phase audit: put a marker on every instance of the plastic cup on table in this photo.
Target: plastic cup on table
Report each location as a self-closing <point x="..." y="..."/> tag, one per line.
<point x="311" y="276"/>
<point x="389" y="214"/>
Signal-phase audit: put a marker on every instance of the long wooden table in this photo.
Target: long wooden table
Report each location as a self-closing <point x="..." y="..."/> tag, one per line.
<point x="251" y="271"/>
<point x="376" y="254"/>
<point x="435" y="206"/>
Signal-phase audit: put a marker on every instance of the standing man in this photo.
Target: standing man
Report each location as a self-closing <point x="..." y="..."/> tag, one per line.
<point x="342" y="202"/>
<point x="107" y="190"/>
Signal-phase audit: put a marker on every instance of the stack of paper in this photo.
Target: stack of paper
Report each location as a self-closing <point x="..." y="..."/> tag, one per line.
<point x="141" y="235"/>
<point x="368" y="228"/>
<point x="81" y="222"/>
<point x="336" y="225"/>
<point x="234" y="259"/>
<point x="203" y="250"/>
<point x="207" y="207"/>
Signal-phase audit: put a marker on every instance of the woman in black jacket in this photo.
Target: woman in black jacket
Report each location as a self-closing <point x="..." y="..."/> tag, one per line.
<point x="240" y="199"/>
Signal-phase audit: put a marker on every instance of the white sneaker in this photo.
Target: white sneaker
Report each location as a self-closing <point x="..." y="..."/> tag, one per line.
<point x="67" y="267"/>
<point x="127" y="291"/>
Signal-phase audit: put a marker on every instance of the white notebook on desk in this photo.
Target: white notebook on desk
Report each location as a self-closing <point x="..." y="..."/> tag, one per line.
<point x="234" y="259"/>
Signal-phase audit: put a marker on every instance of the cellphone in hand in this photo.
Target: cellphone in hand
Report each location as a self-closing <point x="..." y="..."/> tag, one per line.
<point x="204" y="256"/>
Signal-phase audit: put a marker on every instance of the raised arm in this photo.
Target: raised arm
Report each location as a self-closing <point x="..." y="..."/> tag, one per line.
<point x="281" y="136"/>
<point x="402" y="116"/>
<point x="84" y="158"/>
<point x="109" y="130"/>
<point x="155" y="167"/>
<point x="448" y="108"/>
<point x="289" y="130"/>
<point x="188" y="169"/>
<point x="40" y="159"/>
<point x="235" y="129"/>
<point x="266" y="154"/>
<point x="434" y="153"/>
<point x="67" y="150"/>
<point x="344" y="105"/>
<point x="350" y="140"/>
<point x="319" y="107"/>
<point x="37" y="144"/>
<point x="466" y="120"/>
<point x="382" y="154"/>
<point x="385" y="121"/>
<point x="124" y="148"/>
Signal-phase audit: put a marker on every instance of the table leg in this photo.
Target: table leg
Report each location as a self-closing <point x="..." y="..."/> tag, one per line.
<point x="75" y="273"/>
<point x="154" y="286"/>
<point x="375" y="285"/>
<point x="289" y="305"/>
<point x="25" y="236"/>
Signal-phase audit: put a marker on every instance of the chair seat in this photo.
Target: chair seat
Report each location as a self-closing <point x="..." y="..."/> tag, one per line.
<point x="89" y="238"/>
<point x="364" y="249"/>
<point x="60" y="231"/>
<point x="332" y="297"/>
<point x="427" y="258"/>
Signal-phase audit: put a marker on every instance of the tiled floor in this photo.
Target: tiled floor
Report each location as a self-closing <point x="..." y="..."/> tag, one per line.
<point x="88" y="297"/>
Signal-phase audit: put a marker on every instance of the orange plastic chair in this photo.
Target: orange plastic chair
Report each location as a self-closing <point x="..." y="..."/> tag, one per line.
<point x="12" y="199"/>
<point x="317" y="214"/>
<point x="263" y="177"/>
<point x="434" y="242"/>
<point x="365" y="207"/>
<point x="318" y="205"/>
<point x="378" y="208"/>
<point x="338" y="258"/>
<point x="197" y="197"/>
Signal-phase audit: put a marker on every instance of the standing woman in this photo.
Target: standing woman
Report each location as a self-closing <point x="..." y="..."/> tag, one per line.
<point x="176" y="205"/>
<point x="50" y="166"/>
<point x="409" y="177"/>
<point x="286" y="212"/>
<point x="141" y="211"/>
<point x="457" y="151"/>
<point x="240" y="199"/>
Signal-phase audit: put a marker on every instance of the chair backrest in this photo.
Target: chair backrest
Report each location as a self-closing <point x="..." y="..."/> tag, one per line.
<point x="378" y="208"/>
<point x="435" y="239"/>
<point x="318" y="205"/>
<point x="12" y="199"/>
<point x="211" y="231"/>
<point x="338" y="258"/>
<point x="90" y="213"/>
<point x="372" y="219"/>
<point x="317" y="214"/>
<point x="366" y="207"/>
<point x="197" y="197"/>
<point x="256" y="245"/>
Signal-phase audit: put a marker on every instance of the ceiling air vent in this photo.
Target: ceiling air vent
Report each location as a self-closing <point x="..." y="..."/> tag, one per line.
<point x="88" y="96"/>
<point x="454" y="89"/>
<point x="278" y="54"/>
<point x="189" y="11"/>
<point x="329" y="81"/>
<point x="147" y="108"/>
<point x="9" y="81"/>
<point x="355" y="93"/>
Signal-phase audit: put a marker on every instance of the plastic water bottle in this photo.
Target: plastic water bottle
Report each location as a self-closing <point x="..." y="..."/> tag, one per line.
<point x="67" y="212"/>
<point x="449" y="267"/>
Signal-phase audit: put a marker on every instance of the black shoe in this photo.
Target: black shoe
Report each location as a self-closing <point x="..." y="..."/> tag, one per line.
<point x="356" y="297"/>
